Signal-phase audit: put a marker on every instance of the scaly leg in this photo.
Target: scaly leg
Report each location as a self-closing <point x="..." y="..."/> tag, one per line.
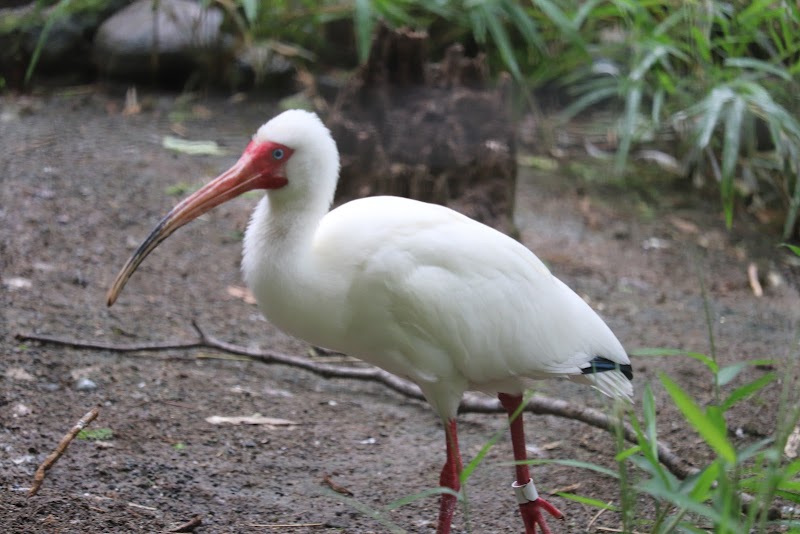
<point x="530" y="504"/>
<point x="449" y="478"/>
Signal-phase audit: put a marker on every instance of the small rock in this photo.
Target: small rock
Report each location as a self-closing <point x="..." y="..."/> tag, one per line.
<point x="655" y="243"/>
<point x="85" y="384"/>
<point x="18" y="373"/>
<point x="20" y="410"/>
<point x="24" y="459"/>
<point x="17" y="282"/>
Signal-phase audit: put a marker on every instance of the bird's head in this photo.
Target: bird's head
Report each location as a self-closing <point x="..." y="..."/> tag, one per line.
<point x="293" y="156"/>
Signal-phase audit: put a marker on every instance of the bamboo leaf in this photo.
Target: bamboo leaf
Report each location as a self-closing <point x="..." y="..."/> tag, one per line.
<point x="730" y="154"/>
<point x="525" y="25"/>
<point x="587" y="100"/>
<point x="250" y="11"/>
<point x="709" y="110"/>
<point x="503" y="43"/>
<point x="364" y="17"/>
<point x="758" y="65"/>
<point x="633" y="100"/>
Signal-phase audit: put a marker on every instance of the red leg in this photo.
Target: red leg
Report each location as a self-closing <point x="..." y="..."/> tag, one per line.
<point x="449" y="478"/>
<point x="530" y="504"/>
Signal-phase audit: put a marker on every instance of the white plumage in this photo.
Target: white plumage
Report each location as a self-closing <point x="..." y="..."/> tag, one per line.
<point x="417" y="289"/>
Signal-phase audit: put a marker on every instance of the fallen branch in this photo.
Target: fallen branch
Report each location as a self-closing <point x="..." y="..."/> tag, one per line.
<point x="537" y="404"/>
<point x="469" y="404"/>
<point x="38" y="478"/>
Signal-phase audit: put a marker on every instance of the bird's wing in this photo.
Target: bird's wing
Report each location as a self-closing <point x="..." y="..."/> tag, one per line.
<point x="452" y="298"/>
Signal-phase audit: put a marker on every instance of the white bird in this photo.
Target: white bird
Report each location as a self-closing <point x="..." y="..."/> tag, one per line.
<point x="414" y="288"/>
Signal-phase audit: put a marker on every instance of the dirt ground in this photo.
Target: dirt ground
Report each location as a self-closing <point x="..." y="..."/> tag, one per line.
<point x="82" y="184"/>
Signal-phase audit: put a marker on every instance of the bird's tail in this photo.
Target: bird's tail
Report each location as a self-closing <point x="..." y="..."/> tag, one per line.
<point x="611" y="378"/>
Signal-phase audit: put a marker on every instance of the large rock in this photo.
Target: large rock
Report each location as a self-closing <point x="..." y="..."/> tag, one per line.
<point x="169" y="43"/>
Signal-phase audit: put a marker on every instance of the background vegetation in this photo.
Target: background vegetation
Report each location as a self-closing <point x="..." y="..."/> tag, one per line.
<point x="712" y="83"/>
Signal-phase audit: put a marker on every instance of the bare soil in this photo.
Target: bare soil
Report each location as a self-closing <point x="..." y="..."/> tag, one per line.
<point x="82" y="184"/>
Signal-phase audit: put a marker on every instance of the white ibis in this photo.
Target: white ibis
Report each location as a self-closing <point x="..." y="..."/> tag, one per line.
<point x="414" y="288"/>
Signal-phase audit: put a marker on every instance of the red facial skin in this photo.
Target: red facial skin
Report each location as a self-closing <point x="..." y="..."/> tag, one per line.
<point x="261" y="166"/>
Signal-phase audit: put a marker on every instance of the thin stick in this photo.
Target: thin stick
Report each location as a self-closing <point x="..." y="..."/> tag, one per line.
<point x="38" y="478"/>
<point x="188" y="526"/>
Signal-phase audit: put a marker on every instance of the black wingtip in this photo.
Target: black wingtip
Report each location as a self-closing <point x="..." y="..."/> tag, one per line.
<point x="601" y="365"/>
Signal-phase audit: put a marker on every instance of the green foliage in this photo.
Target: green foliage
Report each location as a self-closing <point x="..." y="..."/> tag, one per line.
<point x="712" y="72"/>
<point x="720" y="75"/>
<point x="96" y="434"/>
<point x="714" y="493"/>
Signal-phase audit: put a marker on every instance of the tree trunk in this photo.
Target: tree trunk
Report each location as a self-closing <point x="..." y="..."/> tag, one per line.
<point x="432" y="132"/>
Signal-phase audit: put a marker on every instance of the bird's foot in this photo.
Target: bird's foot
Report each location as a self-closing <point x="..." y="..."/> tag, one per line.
<point x="532" y="515"/>
<point x="531" y="505"/>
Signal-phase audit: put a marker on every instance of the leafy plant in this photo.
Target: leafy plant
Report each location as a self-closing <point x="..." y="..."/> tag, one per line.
<point x="720" y="75"/>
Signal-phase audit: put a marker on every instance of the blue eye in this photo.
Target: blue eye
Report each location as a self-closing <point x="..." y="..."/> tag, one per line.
<point x="277" y="153"/>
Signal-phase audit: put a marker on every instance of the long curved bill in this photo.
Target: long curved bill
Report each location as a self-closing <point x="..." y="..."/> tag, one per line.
<point x="242" y="177"/>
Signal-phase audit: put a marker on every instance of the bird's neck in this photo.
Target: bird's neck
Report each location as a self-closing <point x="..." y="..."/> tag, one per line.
<point x="280" y="269"/>
<point x="279" y="231"/>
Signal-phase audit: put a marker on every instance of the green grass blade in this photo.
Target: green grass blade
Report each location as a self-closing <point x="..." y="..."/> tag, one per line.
<point x="793" y="248"/>
<point x="680" y="500"/>
<point x="408" y="499"/>
<point x="57" y="12"/>
<point x="748" y="389"/>
<point x="705" y="426"/>
<point x="704" y="481"/>
<point x="376" y="515"/>
<point x="555" y="15"/>
<point x="572" y="463"/>
<point x="660" y="352"/>
<point x="627" y="453"/>
<point x="594" y="503"/>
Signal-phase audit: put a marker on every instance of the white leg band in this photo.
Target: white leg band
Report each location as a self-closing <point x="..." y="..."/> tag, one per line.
<point x="526" y="492"/>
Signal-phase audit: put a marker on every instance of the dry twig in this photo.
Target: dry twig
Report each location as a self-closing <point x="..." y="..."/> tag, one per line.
<point x="38" y="478"/>
<point x="188" y="526"/>
<point x="470" y="403"/>
<point x="328" y="481"/>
